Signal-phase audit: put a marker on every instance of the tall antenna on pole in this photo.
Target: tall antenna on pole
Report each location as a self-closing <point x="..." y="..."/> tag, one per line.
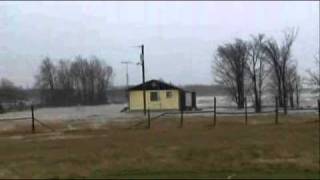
<point x="127" y="77"/>
<point x="127" y="74"/>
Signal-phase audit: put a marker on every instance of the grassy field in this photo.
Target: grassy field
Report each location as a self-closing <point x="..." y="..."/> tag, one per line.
<point x="230" y="150"/>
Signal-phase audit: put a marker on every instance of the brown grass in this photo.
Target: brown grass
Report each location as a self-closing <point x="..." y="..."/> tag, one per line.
<point x="230" y="150"/>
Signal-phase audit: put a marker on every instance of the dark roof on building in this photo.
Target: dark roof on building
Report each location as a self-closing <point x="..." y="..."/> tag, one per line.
<point x="155" y="85"/>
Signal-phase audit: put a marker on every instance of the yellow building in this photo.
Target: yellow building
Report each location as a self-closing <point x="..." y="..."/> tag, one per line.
<point x="159" y="96"/>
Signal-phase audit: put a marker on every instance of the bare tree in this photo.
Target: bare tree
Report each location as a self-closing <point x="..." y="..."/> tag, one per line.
<point x="314" y="76"/>
<point x="256" y="68"/>
<point x="289" y="38"/>
<point x="99" y="75"/>
<point x="279" y="58"/>
<point x="80" y="71"/>
<point x="46" y="79"/>
<point x="272" y="52"/>
<point x="230" y="69"/>
<point x="298" y="89"/>
<point x="63" y="75"/>
<point x="293" y="86"/>
<point x="64" y="87"/>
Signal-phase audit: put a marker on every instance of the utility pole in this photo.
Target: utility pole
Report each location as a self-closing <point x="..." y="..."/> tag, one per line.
<point x="319" y="72"/>
<point x="127" y="77"/>
<point x="143" y="79"/>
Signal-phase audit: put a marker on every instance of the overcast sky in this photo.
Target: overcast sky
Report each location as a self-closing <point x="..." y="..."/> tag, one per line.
<point x="180" y="38"/>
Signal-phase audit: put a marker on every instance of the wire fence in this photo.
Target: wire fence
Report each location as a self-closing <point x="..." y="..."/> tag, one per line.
<point x="31" y="119"/>
<point x="214" y="112"/>
<point x="15" y="119"/>
<point x="275" y="110"/>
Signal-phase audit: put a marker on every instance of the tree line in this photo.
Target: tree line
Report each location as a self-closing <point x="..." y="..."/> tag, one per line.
<point x="11" y="94"/>
<point x="247" y="68"/>
<point x="71" y="82"/>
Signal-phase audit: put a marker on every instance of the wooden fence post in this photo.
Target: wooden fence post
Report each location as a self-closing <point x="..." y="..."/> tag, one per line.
<point x="32" y="116"/>
<point x="214" y="112"/>
<point x="276" y="110"/>
<point x="148" y="123"/>
<point x="181" y="118"/>
<point x="246" y="110"/>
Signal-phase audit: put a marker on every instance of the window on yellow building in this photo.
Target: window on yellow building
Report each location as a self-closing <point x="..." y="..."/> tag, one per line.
<point x="169" y="94"/>
<point x="154" y="96"/>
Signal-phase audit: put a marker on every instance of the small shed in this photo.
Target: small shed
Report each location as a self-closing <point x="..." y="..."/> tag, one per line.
<point x="160" y="96"/>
